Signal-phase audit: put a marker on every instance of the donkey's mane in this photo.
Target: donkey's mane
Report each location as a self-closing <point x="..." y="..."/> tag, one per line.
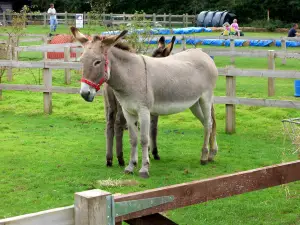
<point x="123" y="45"/>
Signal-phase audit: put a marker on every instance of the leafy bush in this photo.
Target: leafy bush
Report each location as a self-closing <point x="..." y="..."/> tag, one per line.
<point x="140" y="34"/>
<point x="270" y="25"/>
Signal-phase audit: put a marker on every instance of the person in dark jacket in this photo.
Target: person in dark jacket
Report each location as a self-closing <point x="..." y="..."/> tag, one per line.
<point x="293" y="31"/>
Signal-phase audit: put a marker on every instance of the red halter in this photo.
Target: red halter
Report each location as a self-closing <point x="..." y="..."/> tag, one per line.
<point x="102" y="80"/>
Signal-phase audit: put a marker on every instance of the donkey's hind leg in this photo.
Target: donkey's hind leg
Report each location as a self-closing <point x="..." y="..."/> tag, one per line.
<point x="153" y="137"/>
<point x="133" y="132"/>
<point x="206" y="103"/>
<point x="213" y="150"/>
<point x="197" y="111"/>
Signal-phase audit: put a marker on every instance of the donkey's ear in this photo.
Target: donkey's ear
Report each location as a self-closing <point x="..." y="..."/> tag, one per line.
<point x="110" y="41"/>
<point x="161" y="42"/>
<point x="169" y="47"/>
<point x="78" y="36"/>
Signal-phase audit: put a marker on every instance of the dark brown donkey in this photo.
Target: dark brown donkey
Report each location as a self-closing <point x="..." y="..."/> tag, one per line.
<point x="115" y="121"/>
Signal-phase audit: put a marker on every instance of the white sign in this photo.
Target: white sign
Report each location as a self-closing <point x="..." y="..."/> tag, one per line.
<point x="79" y="20"/>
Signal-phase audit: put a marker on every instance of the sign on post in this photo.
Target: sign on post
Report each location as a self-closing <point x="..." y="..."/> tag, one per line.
<point x="79" y="20"/>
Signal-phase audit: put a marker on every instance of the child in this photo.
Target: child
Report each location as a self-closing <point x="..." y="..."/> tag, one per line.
<point x="226" y="29"/>
<point x="235" y="28"/>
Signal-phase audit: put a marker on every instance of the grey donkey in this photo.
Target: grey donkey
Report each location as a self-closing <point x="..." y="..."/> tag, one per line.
<point x="115" y="120"/>
<point x="147" y="86"/>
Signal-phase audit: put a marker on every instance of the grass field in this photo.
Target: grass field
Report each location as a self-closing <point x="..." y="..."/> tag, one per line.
<point x="44" y="159"/>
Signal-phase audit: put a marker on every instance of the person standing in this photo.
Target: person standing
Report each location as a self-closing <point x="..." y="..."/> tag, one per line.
<point x="293" y="31"/>
<point x="53" y="19"/>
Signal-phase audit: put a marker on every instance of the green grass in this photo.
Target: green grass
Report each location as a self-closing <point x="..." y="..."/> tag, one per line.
<point x="44" y="159"/>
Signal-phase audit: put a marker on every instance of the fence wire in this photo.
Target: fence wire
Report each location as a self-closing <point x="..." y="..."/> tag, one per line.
<point x="292" y="129"/>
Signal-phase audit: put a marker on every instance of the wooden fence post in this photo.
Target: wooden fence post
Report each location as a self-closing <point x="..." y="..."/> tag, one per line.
<point x="66" y="18"/>
<point x="45" y="19"/>
<point x="4" y="19"/>
<point x="183" y="20"/>
<point x="124" y="18"/>
<point x="271" y="66"/>
<point x="154" y="18"/>
<point x="283" y="47"/>
<point x="232" y="45"/>
<point x="47" y="78"/>
<point x="183" y="40"/>
<point x="85" y="18"/>
<point x="45" y="54"/>
<point x="230" y="108"/>
<point x="165" y="19"/>
<point x="186" y="19"/>
<point x="91" y="207"/>
<point x="9" y="72"/>
<point x="67" y="59"/>
<point x="170" y="20"/>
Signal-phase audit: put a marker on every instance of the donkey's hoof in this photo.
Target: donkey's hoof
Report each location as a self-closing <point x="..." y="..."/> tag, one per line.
<point x="156" y="157"/>
<point x="134" y="163"/>
<point x="121" y="162"/>
<point x="109" y="163"/>
<point x="144" y="174"/>
<point x="128" y="171"/>
<point x="203" y="162"/>
<point x="210" y="159"/>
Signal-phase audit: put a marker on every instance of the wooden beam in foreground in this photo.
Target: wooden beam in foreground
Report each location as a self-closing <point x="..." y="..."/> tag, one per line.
<point x="196" y="192"/>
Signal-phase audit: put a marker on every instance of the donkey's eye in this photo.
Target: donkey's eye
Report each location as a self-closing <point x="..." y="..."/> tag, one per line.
<point x="97" y="62"/>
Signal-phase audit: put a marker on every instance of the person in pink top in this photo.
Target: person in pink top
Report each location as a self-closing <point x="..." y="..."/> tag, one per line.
<point x="235" y="26"/>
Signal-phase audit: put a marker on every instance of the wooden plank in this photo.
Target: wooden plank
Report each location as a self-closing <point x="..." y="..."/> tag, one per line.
<point x="90" y="207"/>
<point x="9" y="72"/>
<point x="271" y="66"/>
<point x="23" y="87"/>
<point x="283" y="47"/>
<point x="42" y="88"/>
<point x="25" y="35"/>
<point x="232" y="46"/>
<point x="45" y="48"/>
<point x="58" y="216"/>
<point x="154" y="219"/>
<point x="67" y="70"/>
<point x="230" y="108"/>
<point x="239" y="53"/>
<point x="31" y="39"/>
<point x="257" y="102"/>
<point x="287" y="54"/>
<point x="196" y="192"/>
<point x="63" y="65"/>
<point x="47" y="78"/>
<point x="21" y="64"/>
<point x="258" y="73"/>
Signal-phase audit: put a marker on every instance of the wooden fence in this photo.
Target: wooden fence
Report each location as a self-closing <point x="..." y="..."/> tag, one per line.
<point x="96" y="207"/>
<point x="230" y="100"/>
<point x="66" y="18"/>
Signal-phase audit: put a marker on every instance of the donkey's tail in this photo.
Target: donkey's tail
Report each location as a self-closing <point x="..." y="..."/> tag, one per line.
<point x="214" y="126"/>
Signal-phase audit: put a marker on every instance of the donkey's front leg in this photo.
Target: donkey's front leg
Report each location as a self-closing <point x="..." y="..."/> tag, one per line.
<point x="144" y="116"/>
<point x="119" y="129"/>
<point x="133" y="131"/>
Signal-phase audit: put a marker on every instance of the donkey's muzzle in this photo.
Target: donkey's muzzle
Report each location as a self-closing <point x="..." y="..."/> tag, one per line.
<point x="87" y="96"/>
